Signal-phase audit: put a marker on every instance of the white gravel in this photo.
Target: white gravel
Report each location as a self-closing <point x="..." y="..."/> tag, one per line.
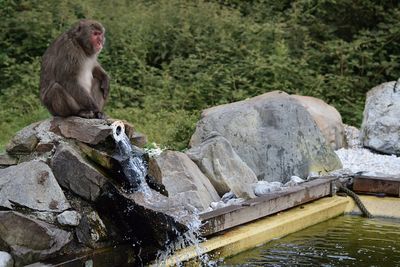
<point x="363" y="160"/>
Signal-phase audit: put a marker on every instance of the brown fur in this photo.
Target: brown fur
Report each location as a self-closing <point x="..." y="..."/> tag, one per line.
<point x="61" y="91"/>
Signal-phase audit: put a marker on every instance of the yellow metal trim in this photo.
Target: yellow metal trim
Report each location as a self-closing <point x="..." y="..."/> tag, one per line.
<point x="244" y="237"/>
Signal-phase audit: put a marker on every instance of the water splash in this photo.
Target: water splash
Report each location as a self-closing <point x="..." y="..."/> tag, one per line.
<point x="191" y="238"/>
<point x="132" y="160"/>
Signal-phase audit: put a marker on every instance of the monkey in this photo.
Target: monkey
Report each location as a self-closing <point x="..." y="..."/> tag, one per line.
<point x="72" y="82"/>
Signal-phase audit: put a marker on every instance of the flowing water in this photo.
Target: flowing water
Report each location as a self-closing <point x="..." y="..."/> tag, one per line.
<point x="343" y="241"/>
<point x="132" y="161"/>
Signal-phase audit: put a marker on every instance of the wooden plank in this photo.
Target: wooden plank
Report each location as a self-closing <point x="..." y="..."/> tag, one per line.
<point x="253" y="209"/>
<point x="377" y="185"/>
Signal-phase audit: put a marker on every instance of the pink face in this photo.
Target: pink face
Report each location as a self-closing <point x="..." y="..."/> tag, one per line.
<point x="97" y="40"/>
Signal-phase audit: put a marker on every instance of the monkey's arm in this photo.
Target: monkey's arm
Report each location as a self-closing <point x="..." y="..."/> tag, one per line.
<point x="99" y="73"/>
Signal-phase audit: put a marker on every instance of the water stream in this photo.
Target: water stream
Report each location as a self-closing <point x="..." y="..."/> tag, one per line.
<point x="131" y="159"/>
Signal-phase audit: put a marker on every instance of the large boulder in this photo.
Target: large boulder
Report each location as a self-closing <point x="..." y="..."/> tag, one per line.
<point x="32" y="185"/>
<point x="183" y="179"/>
<point x="223" y="167"/>
<point x="380" y="128"/>
<point x="29" y="239"/>
<point x="273" y="134"/>
<point x="73" y="172"/>
<point x="328" y="120"/>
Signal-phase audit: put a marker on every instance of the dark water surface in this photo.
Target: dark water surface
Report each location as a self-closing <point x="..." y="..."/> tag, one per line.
<point x="343" y="241"/>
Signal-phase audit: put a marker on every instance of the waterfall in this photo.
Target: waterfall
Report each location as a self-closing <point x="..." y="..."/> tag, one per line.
<point x="131" y="159"/>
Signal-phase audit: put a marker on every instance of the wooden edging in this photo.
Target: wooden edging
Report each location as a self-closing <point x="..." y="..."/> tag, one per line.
<point x="263" y="230"/>
<point x="256" y="208"/>
<point x="377" y="185"/>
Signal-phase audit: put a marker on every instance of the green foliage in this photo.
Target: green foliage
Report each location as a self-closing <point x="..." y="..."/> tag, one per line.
<point x="168" y="60"/>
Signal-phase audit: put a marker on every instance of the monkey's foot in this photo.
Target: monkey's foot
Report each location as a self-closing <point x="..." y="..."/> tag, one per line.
<point x="101" y="115"/>
<point x="88" y="114"/>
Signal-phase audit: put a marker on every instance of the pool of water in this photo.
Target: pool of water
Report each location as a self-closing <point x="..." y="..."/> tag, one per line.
<point x="343" y="241"/>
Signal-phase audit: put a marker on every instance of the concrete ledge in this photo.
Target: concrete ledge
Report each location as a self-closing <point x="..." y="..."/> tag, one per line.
<point x="388" y="207"/>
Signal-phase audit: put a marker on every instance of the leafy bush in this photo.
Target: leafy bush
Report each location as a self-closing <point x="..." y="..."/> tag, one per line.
<point x="168" y="60"/>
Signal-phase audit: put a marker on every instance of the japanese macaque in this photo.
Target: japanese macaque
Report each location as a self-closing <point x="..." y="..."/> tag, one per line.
<point x="72" y="82"/>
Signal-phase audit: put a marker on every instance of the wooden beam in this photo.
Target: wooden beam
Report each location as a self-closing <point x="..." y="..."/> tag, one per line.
<point x="253" y="209"/>
<point x="377" y="185"/>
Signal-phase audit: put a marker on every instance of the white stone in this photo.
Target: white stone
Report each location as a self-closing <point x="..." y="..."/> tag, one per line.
<point x="6" y="260"/>
<point x="69" y="218"/>
<point x="265" y="187"/>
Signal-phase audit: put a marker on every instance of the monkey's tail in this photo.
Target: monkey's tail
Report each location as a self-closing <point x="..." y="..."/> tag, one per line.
<point x="361" y="206"/>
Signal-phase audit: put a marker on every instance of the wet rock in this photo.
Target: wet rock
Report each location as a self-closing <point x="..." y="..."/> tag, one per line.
<point x="6" y="160"/>
<point x="91" y="229"/>
<point x="73" y="172"/>
<point x="6" y="260"/>
<point x="380" y="128"/>
<point x="32" y="185"/>
<point x="29" y="239"/>
<point x="90" y="131"/>
<point x="184" y="181"/>
<point x="24" y="142"/>
<point x="69" y="218"/>
<point x="146" y="218"/>
<point x="223" y="167"/>
<point x="273" y="134"/>
<point x="328" y="120"/>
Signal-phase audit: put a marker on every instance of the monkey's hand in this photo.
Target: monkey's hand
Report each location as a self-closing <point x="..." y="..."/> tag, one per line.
<point x="102" y="76"/>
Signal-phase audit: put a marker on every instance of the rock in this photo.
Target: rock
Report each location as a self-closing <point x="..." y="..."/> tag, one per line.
<point x="145" y="217"/>
<point x="73" y="172"/>
<point x="91" y="229"/>
<point x="183" y="180"/>
<point x="352" y="136"/>
<point x="328" y="120"/>
<point x="273" y="134"/>
<point x="24" y="142"/>
<point x="32" y="185"/>
<point x="90" y="131"/>
<point x="69" y="218"/>
<point x="6" y="160"/>
<point x="264" y="187"/>
<point x="380" y="128"/>
<point x="6" y="260"/>
<point x="223" y="167"/>
<point x="29" y="239"/>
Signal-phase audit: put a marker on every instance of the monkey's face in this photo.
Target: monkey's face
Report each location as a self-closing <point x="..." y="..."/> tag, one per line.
<point x="97" y="40"/>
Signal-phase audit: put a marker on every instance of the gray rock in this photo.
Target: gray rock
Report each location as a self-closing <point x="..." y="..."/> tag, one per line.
<point x="6" y="160"/>
<point x="223" y="167"/>
<point x="273" y="134"/>
<point x="380" y="128"/>
<point x="69" y="218"/>
<point x="73" y="172"/>
<point x="183" y="180"/>
<point x="6" y="260"/>
<point x="328" y="120"/>
<point x="91" y="229"/>
<point x="33" y="185"/>
<point x="30" y="240"/>
<point x="90" y="131"/>
<point x="24" y="142"/>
